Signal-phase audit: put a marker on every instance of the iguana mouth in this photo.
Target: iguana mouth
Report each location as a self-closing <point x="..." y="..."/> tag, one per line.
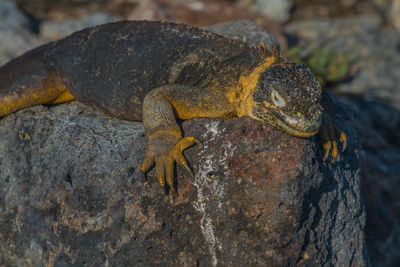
<point x="307" y="131"/>
<point x="299" y="128"/>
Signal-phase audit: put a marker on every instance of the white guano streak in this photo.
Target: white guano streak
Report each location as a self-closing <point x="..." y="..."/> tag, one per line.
<point x="215" y="187"/>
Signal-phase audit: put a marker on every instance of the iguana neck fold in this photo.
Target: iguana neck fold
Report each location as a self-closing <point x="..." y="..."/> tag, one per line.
<point x="248" y="83"/>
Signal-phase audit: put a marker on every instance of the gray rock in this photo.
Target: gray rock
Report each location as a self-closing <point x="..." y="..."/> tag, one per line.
<point x="394" y="13"/>
<point x="14" y="42"/>
<point x="17" y="39"/>
<point x="246" y="31"/>
<point x="52" y="30"/>
<point x="14" y="34"/>
<point x="11" y="16"/>
<point x="376" y="52"/>
<point x="71" y="195"/>
<point x="278" y="10"/>
<point x="379" y="126"/>
<point x="390" y="9"/>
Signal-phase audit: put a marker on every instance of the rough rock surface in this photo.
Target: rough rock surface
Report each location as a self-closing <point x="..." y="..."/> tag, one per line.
<point x="380" y="168"/>
<point x="71" y="194"/>
<point x="374" y="91"/>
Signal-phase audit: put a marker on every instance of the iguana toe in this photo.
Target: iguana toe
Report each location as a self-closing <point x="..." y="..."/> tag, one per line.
<point x="169" y="173"/>
<point x="343" y="140"/>
<point x="334" y="152"/>
<point x="327" y="148"/>
<point x="328" y="134"/>
<point x="182" y="145"/>
<point x="160" y="165"/>
<point x="164" y="153"/>
<point x="147" y="162"/>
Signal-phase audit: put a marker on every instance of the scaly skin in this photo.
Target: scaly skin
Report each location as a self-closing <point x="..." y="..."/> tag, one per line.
<point x="164" y="71"/>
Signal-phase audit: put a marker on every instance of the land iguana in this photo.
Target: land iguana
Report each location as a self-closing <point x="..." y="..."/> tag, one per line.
<point x="160" y="72"/>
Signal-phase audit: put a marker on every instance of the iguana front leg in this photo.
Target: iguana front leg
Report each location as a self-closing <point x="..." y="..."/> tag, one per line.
<point x="165" y="141"/>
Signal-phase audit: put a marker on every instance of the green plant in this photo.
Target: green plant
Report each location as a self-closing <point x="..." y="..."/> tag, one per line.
<point x="327" y="65"/>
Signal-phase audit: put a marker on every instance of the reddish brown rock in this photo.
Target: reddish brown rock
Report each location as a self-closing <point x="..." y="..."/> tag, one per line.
<point x="71" y="194"/>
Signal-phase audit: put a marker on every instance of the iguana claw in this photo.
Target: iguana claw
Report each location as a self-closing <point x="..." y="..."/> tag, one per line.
<point x="163" y="150"/>
<point x="328" y="134"/>
<point x="343" y="140"/>
<point x="327" y="148"/>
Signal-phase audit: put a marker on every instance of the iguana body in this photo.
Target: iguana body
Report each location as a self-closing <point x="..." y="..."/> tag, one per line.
<point x="163" y="71"/>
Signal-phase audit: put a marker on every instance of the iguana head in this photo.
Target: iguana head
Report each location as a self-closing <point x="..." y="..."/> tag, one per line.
<point x="287" y="96"/>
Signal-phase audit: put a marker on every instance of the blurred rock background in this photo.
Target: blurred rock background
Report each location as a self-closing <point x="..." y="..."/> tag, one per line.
<point x="352" y="46"/>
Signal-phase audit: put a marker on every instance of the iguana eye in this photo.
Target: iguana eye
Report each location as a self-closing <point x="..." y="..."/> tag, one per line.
<point x="277" y="99"/>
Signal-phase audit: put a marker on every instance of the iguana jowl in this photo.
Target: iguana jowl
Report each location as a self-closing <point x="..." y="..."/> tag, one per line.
<point x="159" y="72"/>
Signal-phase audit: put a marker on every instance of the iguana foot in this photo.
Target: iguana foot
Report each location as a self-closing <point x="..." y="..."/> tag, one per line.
<point x="328" y="134"/>
<point x="165" y="148"/>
